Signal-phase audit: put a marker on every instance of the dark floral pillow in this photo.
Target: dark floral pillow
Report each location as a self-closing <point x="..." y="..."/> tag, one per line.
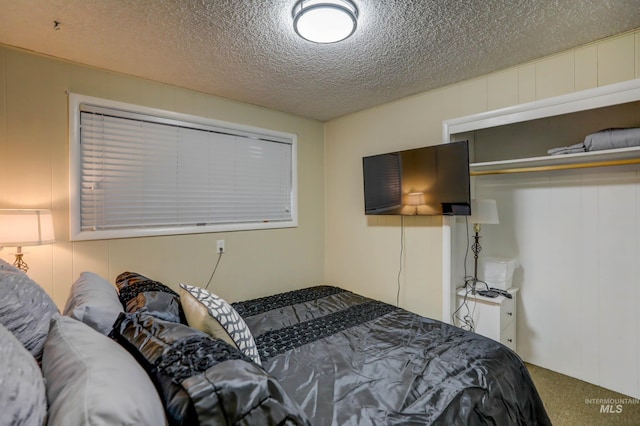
<point x="138" y="293"/>
<point x="204" y="380"/>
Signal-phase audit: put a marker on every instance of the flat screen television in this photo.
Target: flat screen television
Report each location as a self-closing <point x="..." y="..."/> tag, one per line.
<point x="428" y="181"/>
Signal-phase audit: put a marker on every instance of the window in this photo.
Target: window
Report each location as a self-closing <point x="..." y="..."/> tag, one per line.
<point x="138" y="171"/>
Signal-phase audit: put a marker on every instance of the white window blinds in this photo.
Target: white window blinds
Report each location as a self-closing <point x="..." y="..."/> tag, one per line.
<point x="140" y="174"/>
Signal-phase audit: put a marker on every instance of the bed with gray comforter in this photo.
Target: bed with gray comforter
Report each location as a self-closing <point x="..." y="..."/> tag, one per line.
<point x="350" y="360"/>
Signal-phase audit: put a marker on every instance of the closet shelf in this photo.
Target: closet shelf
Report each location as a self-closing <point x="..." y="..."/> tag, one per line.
<point x="612" y="157"/>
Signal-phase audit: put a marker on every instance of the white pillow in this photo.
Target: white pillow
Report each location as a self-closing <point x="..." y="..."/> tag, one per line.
<point x="223" y="313"/>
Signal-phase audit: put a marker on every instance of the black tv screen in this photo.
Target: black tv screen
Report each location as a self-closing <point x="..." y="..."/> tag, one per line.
<point x="430" y="181"/>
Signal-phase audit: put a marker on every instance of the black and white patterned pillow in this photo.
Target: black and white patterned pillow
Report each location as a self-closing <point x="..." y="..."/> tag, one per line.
<point x="229" y="319"/>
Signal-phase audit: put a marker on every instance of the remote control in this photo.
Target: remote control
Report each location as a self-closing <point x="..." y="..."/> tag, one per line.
<point x="488" y="293"/>
<point x="504" y="293"/>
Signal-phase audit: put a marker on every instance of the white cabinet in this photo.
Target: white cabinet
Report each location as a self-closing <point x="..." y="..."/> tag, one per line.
<point x="494" y="317"/>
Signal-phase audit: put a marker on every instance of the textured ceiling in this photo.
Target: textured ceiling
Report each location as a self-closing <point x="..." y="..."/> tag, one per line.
<point x="247" y="50"/>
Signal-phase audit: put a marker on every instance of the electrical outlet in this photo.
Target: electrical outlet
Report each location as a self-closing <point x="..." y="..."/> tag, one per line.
<point x="220" y="246"/>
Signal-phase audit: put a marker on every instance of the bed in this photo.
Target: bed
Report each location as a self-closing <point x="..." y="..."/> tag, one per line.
<point x="349" y="360"/>
<point x="141" y="353"/>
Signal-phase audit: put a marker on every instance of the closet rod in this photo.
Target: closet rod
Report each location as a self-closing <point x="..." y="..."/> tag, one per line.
<point x="556" y="167"/>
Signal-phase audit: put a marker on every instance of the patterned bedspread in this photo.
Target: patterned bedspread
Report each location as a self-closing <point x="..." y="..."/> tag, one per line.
<point x="350" y="360"/>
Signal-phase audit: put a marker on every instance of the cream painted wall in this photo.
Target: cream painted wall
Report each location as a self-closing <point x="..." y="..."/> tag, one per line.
<point x="358" y="252"/>
<point x="363" y="253"/>
<point x="34" y="172"/>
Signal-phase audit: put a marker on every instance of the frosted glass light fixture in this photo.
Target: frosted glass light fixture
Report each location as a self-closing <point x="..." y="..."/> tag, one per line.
<point x="20" y="228"/>
<point x="325" y="21"/>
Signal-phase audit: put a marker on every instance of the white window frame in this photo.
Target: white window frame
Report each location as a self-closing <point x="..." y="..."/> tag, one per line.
<point x="75" y="230"/>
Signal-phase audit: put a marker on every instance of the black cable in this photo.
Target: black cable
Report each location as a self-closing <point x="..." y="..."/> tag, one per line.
<point x="214" y="270"/>
<point x="466" y="321"/>
<point x="466" y="253"/>
<point x="401" y="255"/>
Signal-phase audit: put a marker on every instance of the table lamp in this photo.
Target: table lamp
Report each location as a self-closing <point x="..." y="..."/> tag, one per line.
<point x="25" y="227"/>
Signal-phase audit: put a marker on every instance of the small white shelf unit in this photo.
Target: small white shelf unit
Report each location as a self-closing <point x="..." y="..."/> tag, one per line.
<point x="494" y="317"/>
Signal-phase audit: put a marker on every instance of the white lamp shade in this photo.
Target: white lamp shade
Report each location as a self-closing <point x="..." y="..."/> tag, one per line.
<point x="484" y="212"/>
<point x="325" y="21"/>
<point x="25" y="227"/>
<point x="415" y="198"/>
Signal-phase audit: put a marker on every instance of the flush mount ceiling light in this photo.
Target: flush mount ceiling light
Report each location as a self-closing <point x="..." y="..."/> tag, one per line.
<point x="325" y="21"/>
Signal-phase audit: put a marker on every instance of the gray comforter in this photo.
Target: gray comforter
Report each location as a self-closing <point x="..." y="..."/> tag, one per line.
<point x="350" y="360"/>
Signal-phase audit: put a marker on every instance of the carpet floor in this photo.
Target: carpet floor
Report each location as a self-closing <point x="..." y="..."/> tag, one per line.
<point x="572" y="402"/>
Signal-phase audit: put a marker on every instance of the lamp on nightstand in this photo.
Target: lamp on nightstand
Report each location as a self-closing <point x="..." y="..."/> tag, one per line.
<point x="483" y="212"/>
<point x="20" y="228"/>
